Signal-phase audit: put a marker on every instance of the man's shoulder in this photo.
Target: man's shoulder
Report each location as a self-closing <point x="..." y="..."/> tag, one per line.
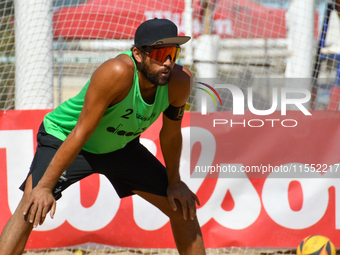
<point x="121" y="64"/>
<point x="179" y="85"/>
<point x="114" y="76"/>
<point x="182" y="69"/>
<point x="180" y="74"/>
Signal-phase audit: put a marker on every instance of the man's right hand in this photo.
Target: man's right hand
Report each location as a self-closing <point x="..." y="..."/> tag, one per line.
<point x="41" y="201"/>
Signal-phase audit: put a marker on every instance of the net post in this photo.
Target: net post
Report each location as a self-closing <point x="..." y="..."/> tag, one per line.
<point x="188" y="60"/>
<point x="33" y="61"/>
<point x="300" y="43"/>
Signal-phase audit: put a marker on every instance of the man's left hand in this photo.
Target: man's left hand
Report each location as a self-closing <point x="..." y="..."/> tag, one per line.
<point x="185" y="196"/>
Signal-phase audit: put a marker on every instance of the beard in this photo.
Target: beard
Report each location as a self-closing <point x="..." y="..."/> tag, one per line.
<point x="155" y="78"/>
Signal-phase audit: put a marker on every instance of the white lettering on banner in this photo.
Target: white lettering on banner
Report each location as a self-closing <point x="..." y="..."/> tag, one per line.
<point x="146" y="215"/>
<point x="19" y="144"/>
<point x="315" y="198"/>
<point x="150" y="145"/>
<point x="101" y="212"/>
<point x="93" y="218"/>
<point x="196" y="26"/>
<point x="19" y="154"/>
<point x="177" y="18"/>
<point x="223" y="27"/>
<point x="220" y="26"/>
<point x="247" y="202"/>
<point x="192" y="136"/>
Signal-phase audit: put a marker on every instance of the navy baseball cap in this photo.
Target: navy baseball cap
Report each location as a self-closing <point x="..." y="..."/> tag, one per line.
<point x="158" y="31"/>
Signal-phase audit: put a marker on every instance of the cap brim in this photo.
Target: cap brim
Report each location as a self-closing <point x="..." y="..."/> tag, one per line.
<point x="172" y="40"/>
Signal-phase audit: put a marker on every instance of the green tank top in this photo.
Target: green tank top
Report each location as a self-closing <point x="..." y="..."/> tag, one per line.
<point x="120" y="123"/>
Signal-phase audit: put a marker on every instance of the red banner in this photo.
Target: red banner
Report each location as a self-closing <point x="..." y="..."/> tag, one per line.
<point x="119" y="19"/>
<point x="243" y="210"/>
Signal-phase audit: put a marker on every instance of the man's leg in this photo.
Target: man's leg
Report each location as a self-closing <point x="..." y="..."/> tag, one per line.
<point x="187" y="233"/>
<point x="16" y="232"/>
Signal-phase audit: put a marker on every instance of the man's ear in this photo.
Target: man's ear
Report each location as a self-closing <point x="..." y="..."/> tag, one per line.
<point x="137" y="54"/>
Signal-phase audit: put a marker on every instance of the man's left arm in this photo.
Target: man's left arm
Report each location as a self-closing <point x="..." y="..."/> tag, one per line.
<point x="171" y="145"/>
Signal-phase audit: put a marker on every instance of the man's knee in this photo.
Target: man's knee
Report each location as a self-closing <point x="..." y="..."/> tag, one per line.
<point x="178" y="215"/>
<point x="26" y="194"/>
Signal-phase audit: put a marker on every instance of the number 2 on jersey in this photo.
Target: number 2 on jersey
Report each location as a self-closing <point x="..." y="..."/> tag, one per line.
<point x="129" y="112"/>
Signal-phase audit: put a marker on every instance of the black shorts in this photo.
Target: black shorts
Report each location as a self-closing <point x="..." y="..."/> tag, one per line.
<point x="128" y="169"/>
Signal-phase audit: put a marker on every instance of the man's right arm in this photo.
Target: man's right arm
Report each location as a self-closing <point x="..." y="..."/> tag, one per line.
<point x="109" y="84"/>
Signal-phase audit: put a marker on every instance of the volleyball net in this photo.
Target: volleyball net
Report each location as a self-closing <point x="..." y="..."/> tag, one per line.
<point x="50" y="48"/>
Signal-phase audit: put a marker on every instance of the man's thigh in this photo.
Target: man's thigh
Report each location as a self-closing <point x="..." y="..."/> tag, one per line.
<point x="46" y="149"/>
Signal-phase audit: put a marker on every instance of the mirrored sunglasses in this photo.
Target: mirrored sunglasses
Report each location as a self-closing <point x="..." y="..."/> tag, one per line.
<point x="160" y="54"/>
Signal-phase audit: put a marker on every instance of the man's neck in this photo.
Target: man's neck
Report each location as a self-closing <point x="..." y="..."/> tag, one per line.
<point x="147" y="89"/>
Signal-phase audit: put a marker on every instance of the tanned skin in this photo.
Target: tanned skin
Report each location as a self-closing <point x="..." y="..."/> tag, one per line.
<point x="109" y="85"/>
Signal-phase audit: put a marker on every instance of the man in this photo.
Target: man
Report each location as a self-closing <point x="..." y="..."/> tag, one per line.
<point x="98" y="131"/>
